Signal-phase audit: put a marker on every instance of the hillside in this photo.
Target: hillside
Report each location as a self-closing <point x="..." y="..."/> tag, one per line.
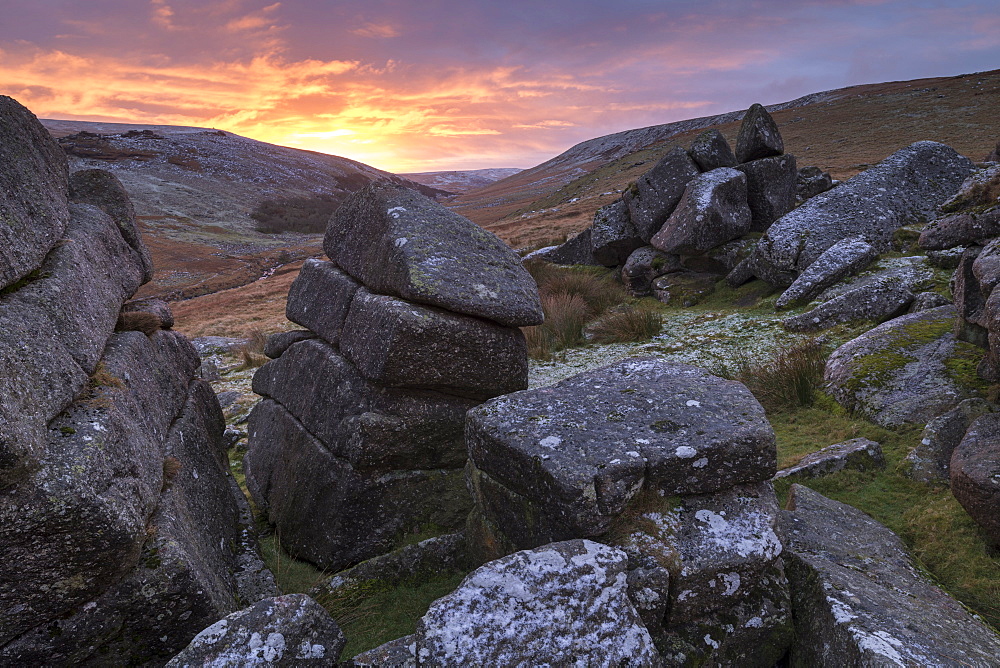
<point x="203" y="196"/>
<point x="462" y="181"/>
<point x="842" y="131"/>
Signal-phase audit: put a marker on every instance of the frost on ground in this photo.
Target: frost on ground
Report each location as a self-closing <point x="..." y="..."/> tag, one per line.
<point x="713" y="340"/>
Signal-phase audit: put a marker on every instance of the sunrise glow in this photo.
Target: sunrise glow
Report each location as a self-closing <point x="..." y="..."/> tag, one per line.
<point x="460" y="85"/>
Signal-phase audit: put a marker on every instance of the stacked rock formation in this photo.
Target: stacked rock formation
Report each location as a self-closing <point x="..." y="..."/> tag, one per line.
<point x="413" y="322"/>
<point x="686" y="218"/>
<point x="668" y="463"/>
<point x="971" y="223"/>
<point x="122" y="532"/>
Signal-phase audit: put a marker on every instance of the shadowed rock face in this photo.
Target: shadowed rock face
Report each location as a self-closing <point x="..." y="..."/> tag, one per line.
<point x="858" y="599"/>
<point x="398" y="242"/>
<point x="656" y="193"/>
<point x="975" y="474"/>
<point x="712" y="211"/>
<point x="107" y="552"/>
<point x="33" y="192"/>
<point x="710" y="150"/>
<point x="758" y="136"/>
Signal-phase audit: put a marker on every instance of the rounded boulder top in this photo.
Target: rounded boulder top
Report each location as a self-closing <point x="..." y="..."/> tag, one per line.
<point x="398" y="242"/>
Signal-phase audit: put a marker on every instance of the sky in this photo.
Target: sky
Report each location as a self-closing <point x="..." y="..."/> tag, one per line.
<point x="412" y="86"/>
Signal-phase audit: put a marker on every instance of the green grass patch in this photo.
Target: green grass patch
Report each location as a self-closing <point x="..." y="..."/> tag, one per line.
<point x="375" y="612"/>
<point x="941" y="536"/>
<point x="293" y="575"/>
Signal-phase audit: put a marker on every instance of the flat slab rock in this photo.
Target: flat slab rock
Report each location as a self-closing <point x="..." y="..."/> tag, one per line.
<point x="398" y="242"/>
<point x="859" y="601"/>
<point x="895" y="374"/>
<point x="560" y="604"/>
<point x="584" y="447"/>
<point x="844" y="258"/>
<point x="291" y="630"/>
<point x="858" y="454"/>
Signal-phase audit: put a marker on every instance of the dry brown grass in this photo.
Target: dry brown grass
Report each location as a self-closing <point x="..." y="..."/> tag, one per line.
<point x="627" y="323"/>
<point x="238" y="311"/>
<point x="788" y="381"/>
<point x="251" y="353"/>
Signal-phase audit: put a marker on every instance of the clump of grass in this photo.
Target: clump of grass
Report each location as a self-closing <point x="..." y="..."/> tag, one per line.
<point x="138" y="321"/>
<point x="252" y="352"/>
<point x="171" y="467"/>
<point x="790" y="380"/>
<point x="627" y="323"/>
<point x="571" y="298"/>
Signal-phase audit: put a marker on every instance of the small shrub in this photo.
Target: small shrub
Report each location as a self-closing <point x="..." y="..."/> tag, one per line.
<point x="789" y="380"/>
<point x="138" y="321"/>
<point x="627" y="323"/>
<point x="599" y="293"/>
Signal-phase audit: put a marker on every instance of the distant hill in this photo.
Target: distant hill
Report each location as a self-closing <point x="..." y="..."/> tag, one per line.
<point x="842" y="131"/>
<point x="218" y="209"/>
<point x="462" y="182"/>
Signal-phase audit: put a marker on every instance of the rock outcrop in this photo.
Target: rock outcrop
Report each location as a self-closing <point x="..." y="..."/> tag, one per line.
<point x="975" y="474"/>
<point x="857" y="454"/>
<point x="904" y="188"/>
<point x="360" y="435"/>
<point x="896" y="373"/>
<point x="712" y="211"/>
<point x="663" y="460"/>
<point x="930" y="461"/>
<point x="860" y="601"/>
<point x="283" y="631"/>
<point x="122" y="530"/>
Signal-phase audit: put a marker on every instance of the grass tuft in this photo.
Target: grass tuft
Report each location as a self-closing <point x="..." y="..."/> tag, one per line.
<point x="788" y="381"/>
<point x="625" y="324"/>
<point x="251" y="353"/>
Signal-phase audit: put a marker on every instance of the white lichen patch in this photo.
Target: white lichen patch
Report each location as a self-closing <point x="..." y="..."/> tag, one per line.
<point x="550" y="442"/>
<point x="685" y="452"/>
<point x="692" y="402"/>
<point x="396" y="211"/>
<point x="748" y="533"/>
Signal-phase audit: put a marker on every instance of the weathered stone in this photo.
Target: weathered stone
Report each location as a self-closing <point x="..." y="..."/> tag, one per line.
<point x="55" y="327"/>
<point x="857" y="454"/>
<point x="193" y="567"/>
<point x="946" y="259"/>
<point x="319" y="299"/>
<point x="770" y="189"/>
<point x="577" y="250"/>
<point x="290" y="630"/>
<point x="758" y="136"/>
<point x="844" y="258"/>
<point x="398" y="653"/>
<point x="960" y="229"/>
<point x="975" y="474"/>
<point x="278" y="343"/>
<point x="34" y="183"/>
<point x="685" y="288"/>
<point x="556" y="605"/>
<point x="986" y="267"/>
<point x="326" y="511"/>
<point x="153" y="306"/>
<point x="399" y="344"/>
<point x="969" y="300"/>
<point x="904" y="188"/>
<point x="895" y="374"/>
<point x="370" y="426"/>
<point x="439" y="555"/>
<point x="396" y="241"/>
<point x="859" y="601"/>
<point x="741" y="273"/>
<point x="913" y="272"/>
<point x="613" y="237"/>
<point x="726" y="579"/>
<point x="103" y="190"/>
<point x="643" y="266"/>
<point x="653" y="196"/>
<point x="710" y="150"/>
<point x="929" y="462"/>
<point x="580" y="450"/>
<point x="876" y="302"/>
<point x="712" y="211"/>
<point x="928" y="300"/>
<point x="216" y="345"/>
<point x="811" y="181"/>
<point x="77" y="524"/>
<point x="721" y="259"/>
